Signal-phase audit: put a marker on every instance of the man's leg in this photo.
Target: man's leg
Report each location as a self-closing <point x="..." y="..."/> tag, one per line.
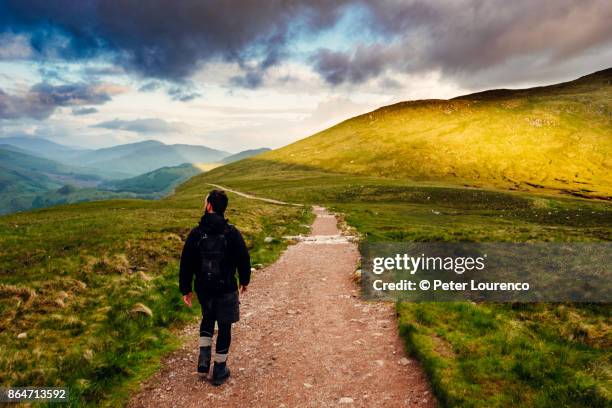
<point x="224" y="339"/>
<point x="207" y="326"/>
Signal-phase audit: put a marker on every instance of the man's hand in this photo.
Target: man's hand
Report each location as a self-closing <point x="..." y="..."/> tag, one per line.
<point x="187" y="298"/>
<point x="243" y="288"/>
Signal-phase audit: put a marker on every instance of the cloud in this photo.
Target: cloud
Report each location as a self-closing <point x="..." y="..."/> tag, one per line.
<point x="147" y="125"/>
<point x="41" y="100"/>
<point x="165" y="39"/>
<point x="182" y="93"/>
<point x="83" y="111"/>
<point x="360" y="65"/>
<point x="150" y="86"/>
<point x="14" y="47"/>
<point x="467" y="37"/>
<point x="170" y="41"/>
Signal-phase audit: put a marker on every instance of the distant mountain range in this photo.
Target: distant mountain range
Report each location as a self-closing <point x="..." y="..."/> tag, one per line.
<point x="36" y="172"/>
<point x="119" y="161"/>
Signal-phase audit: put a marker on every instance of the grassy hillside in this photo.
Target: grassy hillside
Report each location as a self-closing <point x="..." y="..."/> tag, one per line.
<point x="554" y="139"/>
<point x="23" y="177"/>
<point x="160" y="181"/>
<point x="89" y="294"/>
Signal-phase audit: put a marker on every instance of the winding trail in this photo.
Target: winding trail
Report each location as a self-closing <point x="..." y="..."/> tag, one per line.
<point x="305" y="339"/>
<point x="252" y="197"/>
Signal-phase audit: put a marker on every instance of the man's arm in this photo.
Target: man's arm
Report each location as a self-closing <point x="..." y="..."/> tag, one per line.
<point x="189" y="263"/>
<point x="242" y="258"/>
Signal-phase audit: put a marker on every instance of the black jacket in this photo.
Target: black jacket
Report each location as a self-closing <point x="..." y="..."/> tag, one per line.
<point x="237" y="255"/>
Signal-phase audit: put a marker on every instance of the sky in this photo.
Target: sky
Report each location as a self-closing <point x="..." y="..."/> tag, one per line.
<point x="237" y="75"/>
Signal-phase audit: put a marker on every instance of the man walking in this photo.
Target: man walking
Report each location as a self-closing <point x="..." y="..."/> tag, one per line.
<point x="213" y="252"/>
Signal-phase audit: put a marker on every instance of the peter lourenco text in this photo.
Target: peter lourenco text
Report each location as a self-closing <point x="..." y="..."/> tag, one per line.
<point x="412" y="264"/>
<point x="436" y="284"/>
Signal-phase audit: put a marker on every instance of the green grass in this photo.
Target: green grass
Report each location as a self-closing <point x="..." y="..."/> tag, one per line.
<point x="531" y="355"/>
<point x="72" y="275"/>
<point x="476" y="355"/>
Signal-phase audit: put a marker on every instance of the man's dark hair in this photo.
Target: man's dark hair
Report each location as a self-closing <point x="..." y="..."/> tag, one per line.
<point x="218" y="200"/>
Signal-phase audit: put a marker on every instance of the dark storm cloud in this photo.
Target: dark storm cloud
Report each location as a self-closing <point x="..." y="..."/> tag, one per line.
<point x="462" y="38"/>
<point x="362" y="64"/>
<point x="147" y="125"/>
<point x="163" y="38"/>
<point x="168" y="40"/>
<point x="42" y="99"/>
<point x="253" y="75"/>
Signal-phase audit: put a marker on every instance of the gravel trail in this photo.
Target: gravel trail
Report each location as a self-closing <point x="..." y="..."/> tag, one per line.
<point x="305" y="339"/>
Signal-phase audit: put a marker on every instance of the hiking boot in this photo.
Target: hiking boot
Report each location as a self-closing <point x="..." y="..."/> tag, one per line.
<point x="204" y="360"/>
<point x="220" y="373"/>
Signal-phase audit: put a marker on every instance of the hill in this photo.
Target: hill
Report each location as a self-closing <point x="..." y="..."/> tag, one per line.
<point x="150" y="186"/>
<point x="160" y="181"/>
<point x="24" y="176"/>
<point x="554" y="139"/>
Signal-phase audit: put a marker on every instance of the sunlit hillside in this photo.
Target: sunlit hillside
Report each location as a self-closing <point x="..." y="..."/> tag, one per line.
<point x="555" y="138"/>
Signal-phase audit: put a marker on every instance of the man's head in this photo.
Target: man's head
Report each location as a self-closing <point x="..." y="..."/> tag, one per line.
<point x="216" y="201"/>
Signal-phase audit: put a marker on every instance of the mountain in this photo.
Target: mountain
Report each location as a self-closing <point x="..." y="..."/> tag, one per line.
<point x="552" y="139"/>
<point x="39" y="146"/>
<point x="148" y="169"/>
<point x="115" y="152"/>
<point x="117" y="162"/>
<point x="244" y="154"/>
<point x="138" y="158"/>
<point x="158" y="181"/>
<point x="28" y="181"/>
<point x="23" y="176"/>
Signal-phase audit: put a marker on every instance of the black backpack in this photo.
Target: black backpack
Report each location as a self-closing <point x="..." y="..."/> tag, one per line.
<point x="213" y="271"/>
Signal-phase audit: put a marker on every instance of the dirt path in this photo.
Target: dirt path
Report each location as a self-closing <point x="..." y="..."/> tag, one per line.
<point x="252" y="197"/>
<point x="305" y="339"/>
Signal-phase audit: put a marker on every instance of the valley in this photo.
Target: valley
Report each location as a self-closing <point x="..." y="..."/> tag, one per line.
<point x="37" y="173"/>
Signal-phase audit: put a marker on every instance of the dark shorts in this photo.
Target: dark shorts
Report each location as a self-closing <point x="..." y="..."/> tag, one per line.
<point x="224" y="308"/>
